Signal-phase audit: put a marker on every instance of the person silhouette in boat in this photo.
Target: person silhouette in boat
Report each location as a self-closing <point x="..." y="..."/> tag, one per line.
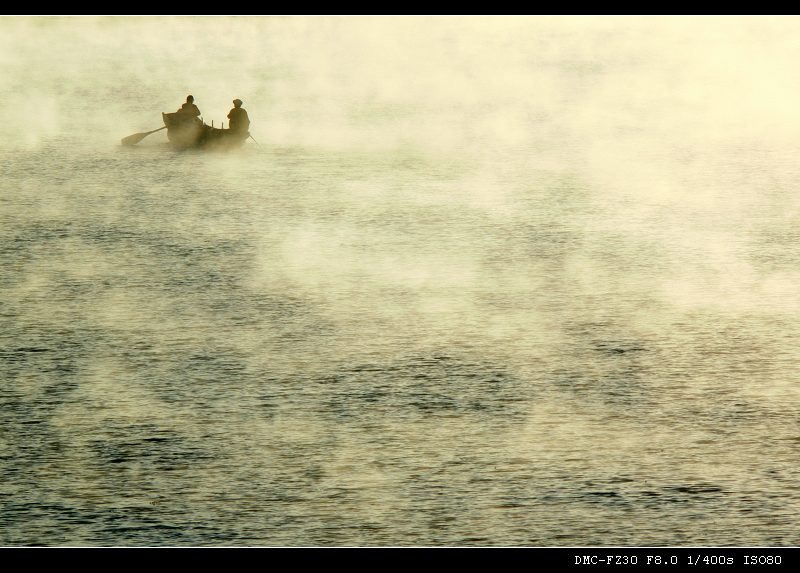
<point x="190" y="112"/>
<point x="238" y="118"/>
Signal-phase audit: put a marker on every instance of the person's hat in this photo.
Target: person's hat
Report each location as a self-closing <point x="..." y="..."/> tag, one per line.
<point x="237" y="101"/>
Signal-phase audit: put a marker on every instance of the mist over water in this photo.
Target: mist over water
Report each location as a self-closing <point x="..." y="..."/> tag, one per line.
<point x="481" y="281"/>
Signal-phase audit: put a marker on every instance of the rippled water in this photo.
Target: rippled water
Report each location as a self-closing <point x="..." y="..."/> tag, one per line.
<point x="518" y="281"/>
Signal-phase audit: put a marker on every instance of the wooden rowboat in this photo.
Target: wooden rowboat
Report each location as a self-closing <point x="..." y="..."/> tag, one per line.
<point x="185" y="133"/>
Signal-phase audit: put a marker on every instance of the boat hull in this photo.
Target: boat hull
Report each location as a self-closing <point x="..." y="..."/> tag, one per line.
<point x="184" y="133"/>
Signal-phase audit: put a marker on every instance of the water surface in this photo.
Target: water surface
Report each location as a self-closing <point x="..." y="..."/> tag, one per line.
<point x="481" y="281"/>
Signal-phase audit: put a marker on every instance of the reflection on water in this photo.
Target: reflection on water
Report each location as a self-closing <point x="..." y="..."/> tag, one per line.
<point x="498" y="300"/>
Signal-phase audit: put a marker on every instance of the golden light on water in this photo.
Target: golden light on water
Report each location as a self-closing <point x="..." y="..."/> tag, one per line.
<point x="481" y="281"/>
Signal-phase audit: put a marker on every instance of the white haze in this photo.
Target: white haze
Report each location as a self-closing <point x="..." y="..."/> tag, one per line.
<point x="597" y="211"/>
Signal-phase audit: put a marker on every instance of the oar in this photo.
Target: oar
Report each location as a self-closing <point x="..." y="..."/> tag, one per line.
<point x="137" y="137"/>
<point x="254" y="139"/>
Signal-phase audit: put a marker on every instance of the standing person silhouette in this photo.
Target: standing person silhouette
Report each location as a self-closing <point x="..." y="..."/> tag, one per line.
<point x="239" y="121"/>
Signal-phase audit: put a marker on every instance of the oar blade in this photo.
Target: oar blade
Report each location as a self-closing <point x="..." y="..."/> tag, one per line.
<point x="137" y="137"/>
<point x="134" y="139"/>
